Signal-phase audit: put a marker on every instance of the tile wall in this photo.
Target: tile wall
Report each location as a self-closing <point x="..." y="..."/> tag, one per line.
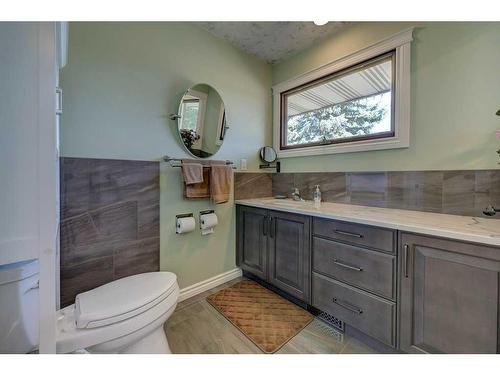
<point x="110" y="215"/>
<point x="451" y="192"/>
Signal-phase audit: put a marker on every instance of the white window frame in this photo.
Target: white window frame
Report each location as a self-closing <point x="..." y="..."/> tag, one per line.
<point x="401" y="43"/>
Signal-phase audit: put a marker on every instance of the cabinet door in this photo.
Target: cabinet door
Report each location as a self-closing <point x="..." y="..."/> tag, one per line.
<point x="289" y="254"/>
<point x="449" y="296"/>
<point x="251" y="231"/>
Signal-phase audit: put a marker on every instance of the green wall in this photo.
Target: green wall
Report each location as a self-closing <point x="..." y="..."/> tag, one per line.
<point x="455" y="78"/>
<point x="121" y="82"/>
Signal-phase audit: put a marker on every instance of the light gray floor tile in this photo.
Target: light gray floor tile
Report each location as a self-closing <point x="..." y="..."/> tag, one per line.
<point x="196" y="327"/>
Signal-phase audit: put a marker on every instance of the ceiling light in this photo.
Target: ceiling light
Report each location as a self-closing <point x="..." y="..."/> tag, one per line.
<point x="320" y="23"/>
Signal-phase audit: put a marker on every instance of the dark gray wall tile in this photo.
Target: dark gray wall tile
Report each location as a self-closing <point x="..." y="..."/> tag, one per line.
<point x="481" y="201"/>
<point x="368" y="188"/>
<point x="452" y="192"/>
<point x="75" y="186"/>
<point x="110" y="222"/>
<point x="113" y="181"/>
<point x="486" y="190"/>
<point x="148" y="219"/>
<point x="332" y="185"/>
<point x="458" y="192"/>
<point x="488" y="182"/>
<point x="90" y="251"/>
<point x="416" y="191"/>
<point x="84" y="276"/>
<point x="252" y="185"/>
<point x="77" y="231"/>
<point x="116" y="222"/>
<point x="133" y="257"/>
<point x="282" y="183"/>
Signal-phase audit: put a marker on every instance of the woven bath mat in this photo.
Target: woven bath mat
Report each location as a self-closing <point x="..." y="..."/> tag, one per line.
<point x="267" y="319"/>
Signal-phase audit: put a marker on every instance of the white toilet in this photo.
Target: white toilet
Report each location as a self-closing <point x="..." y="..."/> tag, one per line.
<point x="19" y="307"/>
<point x="123" y="316"/>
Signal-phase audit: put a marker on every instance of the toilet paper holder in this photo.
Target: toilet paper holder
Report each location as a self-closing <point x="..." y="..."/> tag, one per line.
<point x="177" y="225"/>
<point x="206" y="212"/>
<point x="179" y="216"/>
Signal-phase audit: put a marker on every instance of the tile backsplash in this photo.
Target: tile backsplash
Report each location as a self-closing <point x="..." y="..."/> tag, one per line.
<point x="452" y="192"/>
<point x="252" y="185"/>
<point x="109" y="222"/>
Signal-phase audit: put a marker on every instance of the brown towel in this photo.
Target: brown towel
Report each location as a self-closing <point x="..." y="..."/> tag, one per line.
<point x="199" y="190"/>
<point x="192" y="172"/>
<point x="220" y="182"/>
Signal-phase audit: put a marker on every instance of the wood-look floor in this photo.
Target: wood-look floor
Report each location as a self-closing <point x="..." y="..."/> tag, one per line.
<point x="196" y="327"/>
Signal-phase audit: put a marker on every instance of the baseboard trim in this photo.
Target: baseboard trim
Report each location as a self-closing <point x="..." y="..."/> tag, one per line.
<point x="207" y="284"/>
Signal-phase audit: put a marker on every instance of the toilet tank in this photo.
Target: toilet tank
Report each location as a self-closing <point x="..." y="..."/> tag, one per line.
<point x="19" y="307"/>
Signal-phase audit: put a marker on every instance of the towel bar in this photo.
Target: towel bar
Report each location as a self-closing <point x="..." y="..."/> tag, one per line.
<point x="168" y="159"/>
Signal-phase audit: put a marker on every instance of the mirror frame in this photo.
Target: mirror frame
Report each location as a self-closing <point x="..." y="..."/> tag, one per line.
<point x="262" y="152"/>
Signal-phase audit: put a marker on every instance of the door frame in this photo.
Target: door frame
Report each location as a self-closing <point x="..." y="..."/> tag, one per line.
<point x="47" y="185"/>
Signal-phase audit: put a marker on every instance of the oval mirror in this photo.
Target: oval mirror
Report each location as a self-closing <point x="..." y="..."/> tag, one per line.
<point x="268" y="154"/>
<point x="202" y="121"/>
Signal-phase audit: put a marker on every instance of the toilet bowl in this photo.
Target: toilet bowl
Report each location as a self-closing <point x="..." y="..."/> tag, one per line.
<point x="123" y="316"/>
<point x="19" y="307"/>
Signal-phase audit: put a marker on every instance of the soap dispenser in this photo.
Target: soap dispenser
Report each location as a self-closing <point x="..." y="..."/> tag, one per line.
<point x="317" y="197"/>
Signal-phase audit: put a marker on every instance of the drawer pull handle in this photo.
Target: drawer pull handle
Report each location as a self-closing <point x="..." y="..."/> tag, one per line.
<point x="347" y="306"/>
<point x="357" y="235"/>
<point x="272" y="227"/>
<point x="405" y="259"/>
<point x="354" y="268"/>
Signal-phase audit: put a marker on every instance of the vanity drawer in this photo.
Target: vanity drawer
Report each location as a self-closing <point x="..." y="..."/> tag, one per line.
<point x="367" y="269"/>
<point x="370" y="314"/>
<point x="374" y="237"/>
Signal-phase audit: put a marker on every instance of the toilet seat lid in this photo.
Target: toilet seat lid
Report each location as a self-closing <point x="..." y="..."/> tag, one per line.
<point x="122" y="299"/>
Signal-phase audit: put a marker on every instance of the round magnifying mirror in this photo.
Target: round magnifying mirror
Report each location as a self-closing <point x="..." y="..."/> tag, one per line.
<point x="268" y="154"/>
<point x="202" y="121"/>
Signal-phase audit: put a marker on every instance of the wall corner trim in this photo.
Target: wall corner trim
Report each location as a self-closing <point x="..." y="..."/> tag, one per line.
<point x="207" y="284"/>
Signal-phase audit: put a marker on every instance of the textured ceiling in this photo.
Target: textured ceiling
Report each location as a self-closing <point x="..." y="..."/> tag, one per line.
<point x="271" y="41"/>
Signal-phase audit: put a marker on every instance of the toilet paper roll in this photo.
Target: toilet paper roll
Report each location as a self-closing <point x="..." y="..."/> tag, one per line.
<point x="207" y="223"/>
<point x="185" y="225"/>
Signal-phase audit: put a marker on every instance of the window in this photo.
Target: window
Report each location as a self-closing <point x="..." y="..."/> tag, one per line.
<point x="350" y="105"/>
<point x="358" y="103"/>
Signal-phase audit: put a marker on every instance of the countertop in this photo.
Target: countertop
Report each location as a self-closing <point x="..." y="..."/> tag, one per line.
<point x="464" y="228"/>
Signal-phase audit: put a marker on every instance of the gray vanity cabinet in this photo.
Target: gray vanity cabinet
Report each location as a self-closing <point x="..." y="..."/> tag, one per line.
<point x="289" y="254"/>
<point x="275" y="246"/>
<point x="251" y="238"/>
<point x="449" y="296"/>
<point x="432" y="295"/>
<point x="354" y="276"/>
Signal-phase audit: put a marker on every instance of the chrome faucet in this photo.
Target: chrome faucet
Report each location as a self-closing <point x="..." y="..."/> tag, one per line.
<point x="296" y="195"/>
